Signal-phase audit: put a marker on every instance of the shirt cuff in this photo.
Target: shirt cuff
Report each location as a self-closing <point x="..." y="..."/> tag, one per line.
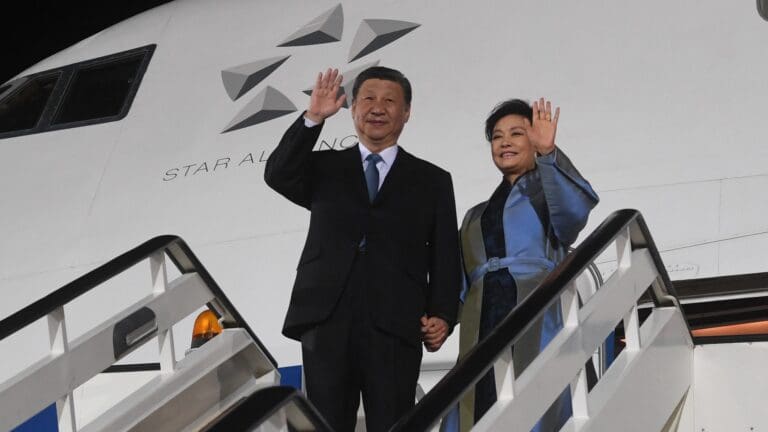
<point x="309" y="123"/>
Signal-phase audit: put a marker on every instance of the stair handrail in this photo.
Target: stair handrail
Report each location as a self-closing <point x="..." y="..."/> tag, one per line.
<point x="262" y="405"/>
<point x="173" y="246"/>
<point x="481" y="358"/>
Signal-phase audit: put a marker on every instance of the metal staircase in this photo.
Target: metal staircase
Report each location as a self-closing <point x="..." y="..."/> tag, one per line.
<point x="662" y="378"/>
<point x="665" y="378"/>
<point x="194" y="392"/>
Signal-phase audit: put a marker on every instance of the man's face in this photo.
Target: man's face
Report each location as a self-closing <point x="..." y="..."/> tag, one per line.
<point x="512" y="152"/>
<point x="379" y="112"/>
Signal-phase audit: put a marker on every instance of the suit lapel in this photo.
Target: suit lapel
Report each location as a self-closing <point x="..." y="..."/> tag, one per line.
<point x="397" y="177"/>
<point x="353" y="171"/>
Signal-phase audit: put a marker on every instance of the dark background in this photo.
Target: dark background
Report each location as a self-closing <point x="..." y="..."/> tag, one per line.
<point x="35" y="29"/>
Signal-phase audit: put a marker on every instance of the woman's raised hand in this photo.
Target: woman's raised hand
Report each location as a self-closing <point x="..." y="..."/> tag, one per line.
<point x="542" y="132"/>
<point x="324" y="101"/>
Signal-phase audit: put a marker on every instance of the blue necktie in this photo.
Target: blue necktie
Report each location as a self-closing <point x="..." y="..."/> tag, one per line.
<point x="372" y="175"/>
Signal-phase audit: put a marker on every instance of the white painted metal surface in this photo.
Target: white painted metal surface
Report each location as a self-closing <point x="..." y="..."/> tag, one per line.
<point x="29" y="392"/>
<point x="184" y="394"/>
<point x="730" y="387"/>
<point x="65" y="405"/>
<point x="661" y="343"/>
<point x="204" y="384"/>
<point x="640" y="391"/>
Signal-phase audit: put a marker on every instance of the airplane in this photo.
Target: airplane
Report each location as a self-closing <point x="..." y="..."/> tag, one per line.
<point x="162" y="124"/>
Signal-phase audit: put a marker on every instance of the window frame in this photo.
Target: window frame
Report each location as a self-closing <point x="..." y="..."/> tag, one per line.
<point x="20" y="84"/>
<point x="6" y="88"/>
<point x="63" y="85"/>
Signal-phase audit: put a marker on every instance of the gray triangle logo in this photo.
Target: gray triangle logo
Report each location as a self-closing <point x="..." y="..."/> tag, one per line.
<point x="267" y="105"/>
<point x="377" y="33"/>
<point x="323" y="29"/>
<point x="348" y="82"/>
<point x="239" y="79"/>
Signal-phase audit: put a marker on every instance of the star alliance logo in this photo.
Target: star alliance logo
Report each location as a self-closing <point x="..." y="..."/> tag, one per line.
<point x="270" y="103"/>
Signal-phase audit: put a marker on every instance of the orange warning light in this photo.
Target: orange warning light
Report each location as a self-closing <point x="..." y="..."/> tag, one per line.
<point x="206" y="327"/>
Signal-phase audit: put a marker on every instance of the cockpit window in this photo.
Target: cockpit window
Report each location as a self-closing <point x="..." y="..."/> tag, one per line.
<point x="98" y="91"/>
<point x="94" y="91"/>
<point x="22" y="109"/>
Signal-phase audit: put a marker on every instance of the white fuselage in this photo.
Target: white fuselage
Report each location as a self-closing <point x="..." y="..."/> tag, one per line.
<point x="662" y="110"/>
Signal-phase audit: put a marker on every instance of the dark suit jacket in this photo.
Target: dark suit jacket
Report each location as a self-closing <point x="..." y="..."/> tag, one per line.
<point x="410" y="231"/>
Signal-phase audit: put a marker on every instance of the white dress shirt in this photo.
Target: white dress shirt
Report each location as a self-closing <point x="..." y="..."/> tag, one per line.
<point x="388" y="155"/>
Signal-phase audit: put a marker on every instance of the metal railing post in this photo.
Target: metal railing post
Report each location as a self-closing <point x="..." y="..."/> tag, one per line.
<point x="632" y="330"/>
<point x="579" y="396"/>
<point x="164" y="338"/>
<point x="504" y="375"/>
<point x="59" y="343"/>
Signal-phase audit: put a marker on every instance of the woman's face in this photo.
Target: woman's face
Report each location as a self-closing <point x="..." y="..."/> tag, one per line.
<point x="512" y="153"/>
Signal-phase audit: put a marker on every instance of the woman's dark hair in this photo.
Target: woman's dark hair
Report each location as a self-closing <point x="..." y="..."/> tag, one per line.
<point x="503" y="109"/>
<point x="383" y="73"/>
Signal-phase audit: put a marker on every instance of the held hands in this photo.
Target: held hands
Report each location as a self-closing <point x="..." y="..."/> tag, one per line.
<point x="434" y="331"/>
<point x="542" y="133"/>
<point x="324" y="101"/>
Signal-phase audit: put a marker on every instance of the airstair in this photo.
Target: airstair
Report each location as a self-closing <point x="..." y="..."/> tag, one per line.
<point x="664" y="377"/>
<point x="198" y="392"/>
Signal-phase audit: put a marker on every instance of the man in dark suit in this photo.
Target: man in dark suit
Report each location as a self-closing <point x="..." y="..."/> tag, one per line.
<point x="379" y="273"/>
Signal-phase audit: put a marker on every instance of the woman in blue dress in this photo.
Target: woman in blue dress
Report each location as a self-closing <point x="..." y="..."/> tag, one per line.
<point x="513" y="240"/>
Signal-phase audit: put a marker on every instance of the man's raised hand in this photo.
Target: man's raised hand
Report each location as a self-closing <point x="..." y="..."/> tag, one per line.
<point x="324" y="101"/>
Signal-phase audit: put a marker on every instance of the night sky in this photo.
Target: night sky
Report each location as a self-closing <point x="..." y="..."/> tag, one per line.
<point x="37" y="29"/>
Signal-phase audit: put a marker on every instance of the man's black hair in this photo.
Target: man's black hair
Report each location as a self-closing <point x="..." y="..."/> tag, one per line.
<point x="508" y="107"/>
<point x="383" y="73"/>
